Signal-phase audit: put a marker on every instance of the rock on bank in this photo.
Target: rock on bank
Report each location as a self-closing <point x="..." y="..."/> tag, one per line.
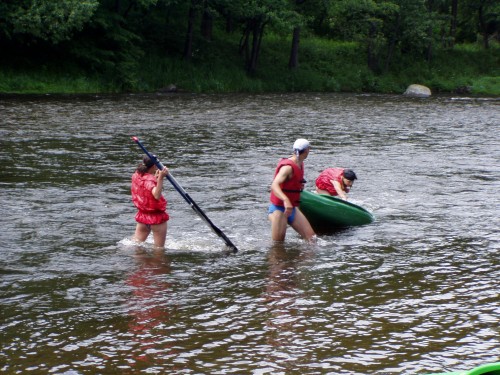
<point x="418" y="90"/>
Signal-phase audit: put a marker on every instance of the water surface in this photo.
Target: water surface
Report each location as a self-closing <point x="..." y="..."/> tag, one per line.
<point x="415" y="292"/>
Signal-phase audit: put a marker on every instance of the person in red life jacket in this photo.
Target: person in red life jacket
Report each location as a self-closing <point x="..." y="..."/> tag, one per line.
<point x="147" y="185"/>
<point x="335" y="181"/>
<point x="287" y="184"/>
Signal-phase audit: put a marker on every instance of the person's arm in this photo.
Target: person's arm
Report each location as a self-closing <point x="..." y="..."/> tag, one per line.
<point x="338" y="188"/>
<point x="284" y="173"/>
<point x="160" y="176"/>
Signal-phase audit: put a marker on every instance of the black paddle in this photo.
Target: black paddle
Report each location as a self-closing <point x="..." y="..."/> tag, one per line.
<point x="187" y="198"/>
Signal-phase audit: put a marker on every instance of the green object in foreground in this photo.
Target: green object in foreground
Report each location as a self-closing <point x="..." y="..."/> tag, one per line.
<point x="325" y="212"/>
<point x="488" y="369"/>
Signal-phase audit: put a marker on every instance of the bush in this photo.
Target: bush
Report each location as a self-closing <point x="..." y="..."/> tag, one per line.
<point x="324" y="65"/>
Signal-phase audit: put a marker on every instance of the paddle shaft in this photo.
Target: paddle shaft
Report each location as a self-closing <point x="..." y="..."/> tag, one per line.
<point x="186" y="197"/>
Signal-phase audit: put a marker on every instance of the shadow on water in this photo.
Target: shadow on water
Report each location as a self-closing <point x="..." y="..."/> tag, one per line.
<point x="326" y="230"/>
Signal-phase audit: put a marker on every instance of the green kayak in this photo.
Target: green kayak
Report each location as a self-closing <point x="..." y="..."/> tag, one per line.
<point x="325" y="212"/>
<point x="488" y="369"/>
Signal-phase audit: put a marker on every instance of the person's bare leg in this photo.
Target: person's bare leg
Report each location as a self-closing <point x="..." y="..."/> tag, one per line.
<point x="159" y="234"/>
<point x="141" y="232"/>
<point x="319" y="191"/>
<point x="279" y="223"/>
<point x="302" y="226"/>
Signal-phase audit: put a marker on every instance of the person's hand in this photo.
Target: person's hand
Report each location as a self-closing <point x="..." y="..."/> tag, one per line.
<point x="288" y="207"/>
<point x="162" y="173"/>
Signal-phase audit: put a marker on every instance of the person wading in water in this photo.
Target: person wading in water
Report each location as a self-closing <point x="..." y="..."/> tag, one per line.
<point x="285" y="195"/>
<point x="147" y="186"/>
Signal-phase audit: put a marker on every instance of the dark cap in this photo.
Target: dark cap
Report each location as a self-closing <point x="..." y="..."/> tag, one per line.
<point x="350" y="175"/>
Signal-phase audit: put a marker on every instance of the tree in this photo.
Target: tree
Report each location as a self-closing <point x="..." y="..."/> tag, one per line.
<point x="207" y="20"/>
<point x="315" y="14"/>
<point x="52" y="21"/>
<point x="293" y="62"/>
<point x="188" y="44"/>
<point x="453" y="22"/>
<point x="487" y="17"/>
<point x="478" y="18"/>
<point x="298" y="22"/>
<point x="254" y="16"/>
<point x="375" y="25"/>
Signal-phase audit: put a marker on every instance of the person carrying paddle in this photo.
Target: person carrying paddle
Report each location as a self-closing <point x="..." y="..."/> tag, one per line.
<point x="287" y="184"/>
<point x="147" y="186"/>
<point x="335" y="181"/>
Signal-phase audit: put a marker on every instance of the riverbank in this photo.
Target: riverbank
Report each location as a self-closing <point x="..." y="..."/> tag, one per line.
<point x="324" y="66"/>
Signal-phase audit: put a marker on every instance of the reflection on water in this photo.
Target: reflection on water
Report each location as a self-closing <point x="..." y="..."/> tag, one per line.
<point x="147" y="307"/>
<point x="414" y="292"/>
<point x="285" y="297"/>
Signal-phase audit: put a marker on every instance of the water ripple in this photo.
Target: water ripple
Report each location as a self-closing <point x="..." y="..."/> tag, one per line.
<point x="414" y="292"/>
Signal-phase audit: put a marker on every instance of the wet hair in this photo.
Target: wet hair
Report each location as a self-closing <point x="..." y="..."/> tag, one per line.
<point x="145" y="165"/>
<point x="300" y="152"/>
<point x="350" y="175"/>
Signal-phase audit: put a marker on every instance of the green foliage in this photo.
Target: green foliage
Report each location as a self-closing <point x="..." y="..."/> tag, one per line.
<point x="137" y="45"/>
<point x="486" y="86"/>
<point x="415" y="24"/>
<point x="110" y="49"/>
<point x="325" y="66"/>
<point x="53" y="21"/>
<point x="478" y="17"/>
<point x="350" y="19"/>
<point x="157" y="72"/>
<point x="43" y="82"/>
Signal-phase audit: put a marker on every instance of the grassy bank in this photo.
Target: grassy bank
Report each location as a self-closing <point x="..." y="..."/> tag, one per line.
<point x="325" y="66"/>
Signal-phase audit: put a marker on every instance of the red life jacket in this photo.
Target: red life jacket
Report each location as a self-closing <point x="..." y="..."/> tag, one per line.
<point x="291" y="187"/>
<point x="323" y="181"/>
<point x="143" y="197"/>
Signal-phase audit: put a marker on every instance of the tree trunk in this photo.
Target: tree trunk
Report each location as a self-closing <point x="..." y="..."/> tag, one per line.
<point x="453" y="24"/>
<point x="252" y="62"/>
<point x="293" y="63"/>
<point x="371" y="52"/>
<point x="483" y="27"/>
<point x="257" y="33"/>
<point x="131" y="5"/>
<point x="261" y="35"/>
<point x="429" y="49"/>
<point x="392" y="44"/>
<point x="243" y="46"/>
<point x="188" y="44"/>
<point x="206" y="22"/>
<point x="229" y="24"/>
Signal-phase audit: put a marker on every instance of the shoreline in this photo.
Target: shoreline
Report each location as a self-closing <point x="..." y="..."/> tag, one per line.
<point x="83" y="95"/>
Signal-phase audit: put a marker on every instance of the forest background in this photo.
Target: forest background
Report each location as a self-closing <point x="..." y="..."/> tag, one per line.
<point x="112" y="46"/>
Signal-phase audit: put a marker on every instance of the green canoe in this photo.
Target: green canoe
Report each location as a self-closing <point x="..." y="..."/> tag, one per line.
<point x="488" y="369"/>
<point x="325" y="212"/>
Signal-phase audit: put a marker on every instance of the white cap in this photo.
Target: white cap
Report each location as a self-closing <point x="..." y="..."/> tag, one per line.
<point x="301" y="144"/>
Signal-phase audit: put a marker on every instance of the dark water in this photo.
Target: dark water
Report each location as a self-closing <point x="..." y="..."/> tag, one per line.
<point x="413" y="293"/>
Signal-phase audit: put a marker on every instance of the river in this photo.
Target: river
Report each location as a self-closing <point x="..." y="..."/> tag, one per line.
<point x="415" y="292"/>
